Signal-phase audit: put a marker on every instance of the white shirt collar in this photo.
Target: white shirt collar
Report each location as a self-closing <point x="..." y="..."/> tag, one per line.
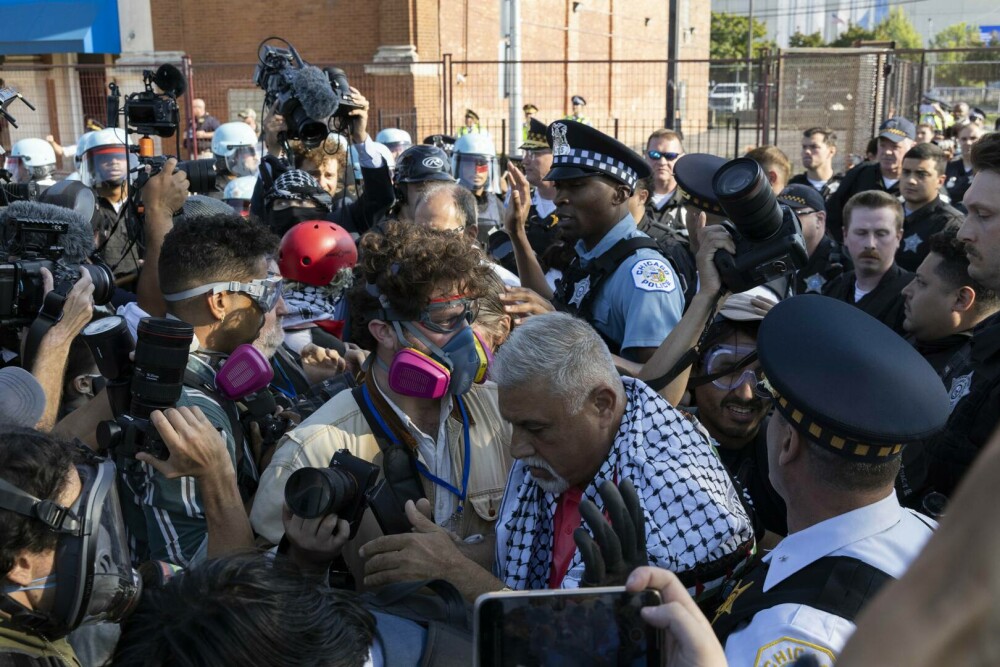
<point x="805" y="547"/>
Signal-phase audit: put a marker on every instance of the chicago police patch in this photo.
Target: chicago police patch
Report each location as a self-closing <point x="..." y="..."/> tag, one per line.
<point x="653" y="275"/>
<point x="787" y="650"/>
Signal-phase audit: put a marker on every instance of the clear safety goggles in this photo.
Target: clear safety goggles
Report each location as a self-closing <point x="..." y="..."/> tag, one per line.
<point x="264" y="292"/>
<point x="448" y="314"/>
<point x="729" y="367"/>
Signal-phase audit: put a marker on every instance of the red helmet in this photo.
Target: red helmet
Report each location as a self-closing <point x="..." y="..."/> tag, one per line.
<point x="313" y="252"/>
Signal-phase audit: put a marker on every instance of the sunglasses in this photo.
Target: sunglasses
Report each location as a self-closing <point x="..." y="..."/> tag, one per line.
<point x="656" y="155"/>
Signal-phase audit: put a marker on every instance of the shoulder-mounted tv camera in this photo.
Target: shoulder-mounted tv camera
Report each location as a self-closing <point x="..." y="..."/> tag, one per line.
<point x="308" y="98"/>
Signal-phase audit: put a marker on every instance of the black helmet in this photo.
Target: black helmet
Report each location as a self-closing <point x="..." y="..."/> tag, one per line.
<point x="421" y="163"/>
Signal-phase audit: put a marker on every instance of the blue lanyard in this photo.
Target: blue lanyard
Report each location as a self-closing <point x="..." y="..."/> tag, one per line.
<point x="290" y="392"/>
<point x="461" y="495"/>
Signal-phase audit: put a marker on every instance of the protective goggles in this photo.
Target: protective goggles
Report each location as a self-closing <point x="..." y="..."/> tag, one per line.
<point x="449" y="314"/>
<point x="264" y="292"/>
<point x="728" y="367"/>
<point x="656" y="155"/>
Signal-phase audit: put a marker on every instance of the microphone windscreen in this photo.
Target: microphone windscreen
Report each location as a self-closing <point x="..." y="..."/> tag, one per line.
<point x="77" y="242"/>
<point x="312" y="87"/>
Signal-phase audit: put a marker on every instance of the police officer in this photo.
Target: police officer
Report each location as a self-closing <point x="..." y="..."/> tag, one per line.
<point x="619" y="281"/>
<point x="474" y="163"/>
<point x="31" y="161"/>
<point x="471" y="124"/>
<point x="834" y="445"/>
<point x="827" y="259"/>
<point x="234" y="146"/>
<point x="896" y="136"/>
<point x="578" y="103"/>
<point x="529" y="115"/>
<point x="540" y="228"/>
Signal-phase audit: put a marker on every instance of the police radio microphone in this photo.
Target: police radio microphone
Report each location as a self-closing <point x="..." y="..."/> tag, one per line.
<point x="312" y="87"/>
<point x="77" y="241"/>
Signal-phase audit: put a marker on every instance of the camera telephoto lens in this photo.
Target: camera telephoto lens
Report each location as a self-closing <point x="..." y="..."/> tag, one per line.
<point x="316" y="492"/>
<point x="200" y="173"/>
<point x="161" y="355"/>
<point x="748" y="199"/>
<point x="104" y="282"/>
<point x="110" y="342"/>
<point x="310" y="132"/>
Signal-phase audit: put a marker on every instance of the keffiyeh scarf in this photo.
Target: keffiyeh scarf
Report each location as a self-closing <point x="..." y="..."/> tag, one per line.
<point x="695" y="522"/>
<point x="310" y="303"/>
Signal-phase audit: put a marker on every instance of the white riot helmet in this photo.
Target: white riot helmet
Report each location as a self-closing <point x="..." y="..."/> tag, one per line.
<point x="239" y="192"/>
<point x="104" y="158"/>
<point x="235" y="148"/>
<point x="30" y="160"/>
<point x="395" y="139"/>
<point x="474" y="162"/>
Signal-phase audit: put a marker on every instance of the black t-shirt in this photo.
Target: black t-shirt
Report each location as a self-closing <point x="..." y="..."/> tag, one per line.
<point x="748" y="466"/>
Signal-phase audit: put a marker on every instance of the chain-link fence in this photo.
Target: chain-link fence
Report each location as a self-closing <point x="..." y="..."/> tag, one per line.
<point x="721" y="107"/>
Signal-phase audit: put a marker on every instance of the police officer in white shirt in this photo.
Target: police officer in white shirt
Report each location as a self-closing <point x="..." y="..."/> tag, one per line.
<point x="848" y="394"/>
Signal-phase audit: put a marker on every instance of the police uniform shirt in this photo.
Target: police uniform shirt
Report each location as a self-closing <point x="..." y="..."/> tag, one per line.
<point x="641" y="302"/>
<point x="824" y="266"/>
<point x="918" y="227"/>
<point x="866" y="176"/>
<point x="957" y="180"/>
<point x="882" y="534"/>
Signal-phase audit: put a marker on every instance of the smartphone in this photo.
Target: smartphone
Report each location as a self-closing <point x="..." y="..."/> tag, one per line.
<point x="585" y="627"/>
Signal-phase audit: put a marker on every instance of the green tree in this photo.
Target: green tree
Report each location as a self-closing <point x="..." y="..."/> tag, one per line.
<point x="853" y="34"/>
<point x="799" y="40"/>
<point x="896" y="26"/>
<point x="729" y="37"/>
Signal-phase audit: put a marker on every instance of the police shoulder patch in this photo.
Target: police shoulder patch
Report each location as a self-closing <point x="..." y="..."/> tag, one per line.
<point x="653" y="275"/>
<point x="786" y="650"/>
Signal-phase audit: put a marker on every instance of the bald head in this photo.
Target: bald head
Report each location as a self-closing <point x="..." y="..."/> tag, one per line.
<point x="447" y="208"/>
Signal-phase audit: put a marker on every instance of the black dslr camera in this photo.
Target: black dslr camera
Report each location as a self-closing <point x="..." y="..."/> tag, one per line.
<point x="767" y="235"/>
<point x="36" y="244"/>
<point x="346" y="488"/>
<point x="307" y="97"/>
<point x="154" y="381"/>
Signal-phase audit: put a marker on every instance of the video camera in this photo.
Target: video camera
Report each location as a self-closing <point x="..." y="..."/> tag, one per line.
<point x="37" y="243"/>
<point x="153" y="381"/>
<point x="767" y="235"/>
<point x="13" y="191"/>
<point x="150" y="113"/>
<point x="306" y="96"/>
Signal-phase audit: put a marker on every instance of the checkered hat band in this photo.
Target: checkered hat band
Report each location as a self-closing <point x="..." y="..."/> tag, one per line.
<point x="795" y="199"/>
<point x="599" y="162"/>
<point x="892" y="130"/>
<point x="852" y="449"/>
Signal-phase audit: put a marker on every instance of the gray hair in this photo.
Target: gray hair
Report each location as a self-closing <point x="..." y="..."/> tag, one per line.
<point x="561" y="351"/>
<point x="464" y="200"/>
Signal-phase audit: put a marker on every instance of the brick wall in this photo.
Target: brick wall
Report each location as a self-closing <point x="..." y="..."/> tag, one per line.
<point x="627" y="97"/>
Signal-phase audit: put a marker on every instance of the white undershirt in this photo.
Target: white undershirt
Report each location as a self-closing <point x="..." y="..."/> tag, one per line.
<point x="658" y="199"/>
<point x="817" y="185"/>
<point x="889" y="182"/>
<point x="859" y="293"/>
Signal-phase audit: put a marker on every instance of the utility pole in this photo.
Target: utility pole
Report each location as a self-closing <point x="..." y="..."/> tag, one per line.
<point x="514" y="112"/>
<point x="673" y="55"/>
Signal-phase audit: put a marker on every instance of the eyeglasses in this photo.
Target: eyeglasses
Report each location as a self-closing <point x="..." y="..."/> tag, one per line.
<point x="729" y="367"/>
<point x="264" y="292"/>
<point x="656" y="155"/>
<point x="804" y="211"/>
<point x="449" y="314"/>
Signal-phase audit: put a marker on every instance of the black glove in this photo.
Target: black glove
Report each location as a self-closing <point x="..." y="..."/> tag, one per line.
<point x="616" y="549"/>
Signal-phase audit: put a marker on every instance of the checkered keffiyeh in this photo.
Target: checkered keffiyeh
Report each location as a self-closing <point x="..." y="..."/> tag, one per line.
<point x="695" y="522"/>
<point x="310" y="303"/>
<point x="294" y="184"/>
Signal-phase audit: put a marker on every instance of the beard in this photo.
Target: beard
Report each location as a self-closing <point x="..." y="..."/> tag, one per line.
<point x="556" y="486"/>
<point x="270" y="338"/>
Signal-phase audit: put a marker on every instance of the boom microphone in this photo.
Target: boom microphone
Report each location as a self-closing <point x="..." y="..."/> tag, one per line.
<point x="77" y="242"/>
<point x="312" y="87"/>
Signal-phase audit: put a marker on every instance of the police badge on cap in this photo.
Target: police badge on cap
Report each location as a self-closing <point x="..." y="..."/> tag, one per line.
<point x="579" y="150"/>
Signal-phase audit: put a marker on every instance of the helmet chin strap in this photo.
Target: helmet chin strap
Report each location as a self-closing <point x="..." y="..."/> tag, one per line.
<point x="441" y="355"/>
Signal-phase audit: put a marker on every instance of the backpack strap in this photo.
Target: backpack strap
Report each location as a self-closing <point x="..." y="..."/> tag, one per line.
<point x="576" y="292"/>
<point x="837" y="585"/>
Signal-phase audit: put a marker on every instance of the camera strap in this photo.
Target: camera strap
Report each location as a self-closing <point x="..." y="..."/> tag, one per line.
<point x="48" y="317"/>
<point x="398" y="461"/>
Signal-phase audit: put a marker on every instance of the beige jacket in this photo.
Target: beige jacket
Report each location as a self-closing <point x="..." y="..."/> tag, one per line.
<point x="340" y="424"/>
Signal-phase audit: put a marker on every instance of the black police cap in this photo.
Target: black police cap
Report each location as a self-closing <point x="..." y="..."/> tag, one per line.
<point x="847" y="381"/>
<point x="694" y="173"/>
<point x="579" y="150"/>
<point x="797" y="196"/>
<point x="537" y="138"/>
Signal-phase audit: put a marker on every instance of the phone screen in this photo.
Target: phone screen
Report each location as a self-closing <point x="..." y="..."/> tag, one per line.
<point x="582" y="628"/>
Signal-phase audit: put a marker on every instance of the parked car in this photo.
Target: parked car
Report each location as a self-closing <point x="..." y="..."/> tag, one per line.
<point x="730" y="97"/>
